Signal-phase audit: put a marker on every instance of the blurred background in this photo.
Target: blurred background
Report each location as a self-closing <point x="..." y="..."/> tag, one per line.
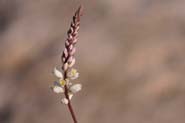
<point x="130" y="55"/>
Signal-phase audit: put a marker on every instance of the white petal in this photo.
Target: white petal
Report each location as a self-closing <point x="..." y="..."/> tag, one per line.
<point x="75" y="76"/>
<point x="70" y="96"/>
<point x="75" y="88"/>
<point x="64" y="101"/>
<point x="57" y="73"/>
<point x="58" y="89"/>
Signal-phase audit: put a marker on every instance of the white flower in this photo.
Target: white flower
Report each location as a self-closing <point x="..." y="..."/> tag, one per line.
<point x="57" y="89"/>
<point x="57" y="73"/>
<point x="73" y="74"/>
<point x="64" y="101"/>
<point x="75" y="88"/>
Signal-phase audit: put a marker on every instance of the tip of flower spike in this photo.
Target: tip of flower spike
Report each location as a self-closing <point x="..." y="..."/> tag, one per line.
<point x="80" y="10"/>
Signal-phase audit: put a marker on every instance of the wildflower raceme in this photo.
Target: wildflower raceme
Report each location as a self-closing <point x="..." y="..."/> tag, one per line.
<point x="64" y="85"/>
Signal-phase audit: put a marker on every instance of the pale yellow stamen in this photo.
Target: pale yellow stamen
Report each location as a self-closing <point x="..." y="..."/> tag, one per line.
<point x="73" y="72"/>
<point x="62" y="82"/>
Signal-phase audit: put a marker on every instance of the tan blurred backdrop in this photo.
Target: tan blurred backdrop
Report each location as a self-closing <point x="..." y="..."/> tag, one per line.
<point x="130" y="55"/>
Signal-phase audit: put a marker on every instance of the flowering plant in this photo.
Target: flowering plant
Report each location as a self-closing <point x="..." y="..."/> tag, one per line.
<point x="63" y="85"/>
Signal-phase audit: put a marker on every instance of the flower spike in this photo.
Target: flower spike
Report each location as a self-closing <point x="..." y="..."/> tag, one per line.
<point x="64" y="84"/>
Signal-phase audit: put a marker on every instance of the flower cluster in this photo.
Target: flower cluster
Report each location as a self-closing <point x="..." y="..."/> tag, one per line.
<point x="63" y="84"/>
<point x="59" y="85"/>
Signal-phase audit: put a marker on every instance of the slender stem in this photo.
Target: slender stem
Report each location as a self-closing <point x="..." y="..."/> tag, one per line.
<point x="69" y="102"/>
